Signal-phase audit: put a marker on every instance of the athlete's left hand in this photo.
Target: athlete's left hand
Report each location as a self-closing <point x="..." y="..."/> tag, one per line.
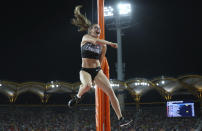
<point x="114" y="45"/>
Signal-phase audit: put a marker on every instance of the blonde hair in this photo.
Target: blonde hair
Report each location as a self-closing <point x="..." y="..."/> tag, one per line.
<point x="80" y="20"/>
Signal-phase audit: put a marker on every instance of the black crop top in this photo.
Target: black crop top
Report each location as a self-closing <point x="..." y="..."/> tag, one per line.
<point x="89" y="50"/>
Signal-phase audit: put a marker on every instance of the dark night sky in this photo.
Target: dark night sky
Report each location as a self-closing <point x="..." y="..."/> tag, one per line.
<point x="38" y="43"/>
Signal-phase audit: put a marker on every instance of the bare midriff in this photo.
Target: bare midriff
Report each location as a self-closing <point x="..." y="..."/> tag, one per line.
<point x="90" y="63"/>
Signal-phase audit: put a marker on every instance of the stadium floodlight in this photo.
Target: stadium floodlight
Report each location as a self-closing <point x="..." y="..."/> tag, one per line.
<point x="114" y="84"/>
<point x="124" y="8"/>
<point x="108" y="11"/>
<point x="53" y="86"/>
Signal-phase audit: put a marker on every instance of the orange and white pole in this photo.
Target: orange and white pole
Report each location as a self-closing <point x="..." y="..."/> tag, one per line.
<point x="102" y="100"/>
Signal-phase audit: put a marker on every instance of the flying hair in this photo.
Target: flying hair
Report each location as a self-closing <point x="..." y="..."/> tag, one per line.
<point x="80" y="20"/>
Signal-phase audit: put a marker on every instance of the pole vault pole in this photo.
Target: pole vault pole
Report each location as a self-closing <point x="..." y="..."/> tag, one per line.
<point x="102" y="100"/>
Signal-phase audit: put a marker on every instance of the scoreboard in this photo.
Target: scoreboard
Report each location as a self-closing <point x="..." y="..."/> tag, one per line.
<point x="180" y="109"/>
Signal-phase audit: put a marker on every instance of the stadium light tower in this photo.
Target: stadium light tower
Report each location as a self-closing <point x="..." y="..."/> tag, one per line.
<point x="119" y="18"/>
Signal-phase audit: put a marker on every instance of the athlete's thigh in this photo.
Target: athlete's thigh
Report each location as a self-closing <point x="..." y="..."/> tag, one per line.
<point x="85" y="78"/>
<point x="102" y="81"/>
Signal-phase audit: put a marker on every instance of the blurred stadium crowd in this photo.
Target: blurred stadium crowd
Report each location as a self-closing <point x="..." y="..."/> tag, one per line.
<point x="60" y="118"/>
